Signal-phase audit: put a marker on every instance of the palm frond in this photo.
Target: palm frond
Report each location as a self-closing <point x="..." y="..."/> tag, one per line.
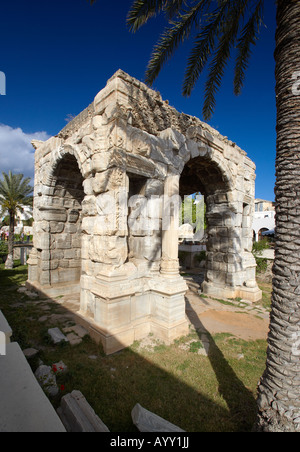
<point x="173" y="7"/>
<point x="141" y="11"/>
<point x="230" y="29"/>
<point x="248" y="37"/>
<point x="220" y="27"/>
<point x="169" y="41"/>
<point x="203" y="47"/>
<point x="14" y="191"/>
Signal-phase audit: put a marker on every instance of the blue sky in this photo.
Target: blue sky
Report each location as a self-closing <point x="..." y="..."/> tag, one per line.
<point x="57" y="55"/>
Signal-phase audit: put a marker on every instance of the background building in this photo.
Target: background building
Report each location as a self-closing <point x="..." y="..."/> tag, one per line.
<point x="264" y="218"/>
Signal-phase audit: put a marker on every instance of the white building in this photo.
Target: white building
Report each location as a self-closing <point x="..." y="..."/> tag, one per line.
<point x="24" y="215"/>
<point x="264" y="218"/>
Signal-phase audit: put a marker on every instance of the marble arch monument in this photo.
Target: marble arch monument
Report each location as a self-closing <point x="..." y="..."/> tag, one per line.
<point x="102" y="189"/>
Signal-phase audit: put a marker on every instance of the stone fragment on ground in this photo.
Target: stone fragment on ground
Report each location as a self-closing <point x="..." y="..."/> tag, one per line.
<point x="59" y="368"/>
<point x="75" y="333"/>
<point x="146" y="421"/>
<point x="30" y="352"/>
<point x="22" y="289"/>
<point x="47" y="380"/>
<point x="78" y="416"/>
<point x="57" y="336"/>
<point x="73" y="339"/>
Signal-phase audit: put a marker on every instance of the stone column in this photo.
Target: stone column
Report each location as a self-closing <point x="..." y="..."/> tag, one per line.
<point x="170" y="224"/>
<point x="168" y="289"/>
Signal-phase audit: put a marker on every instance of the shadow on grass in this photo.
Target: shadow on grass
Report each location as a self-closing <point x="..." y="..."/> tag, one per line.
<point x="114" y="384"/>
<point x="240" y="401"/>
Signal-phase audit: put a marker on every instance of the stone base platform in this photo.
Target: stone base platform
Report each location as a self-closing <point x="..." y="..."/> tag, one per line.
<point x="24" y="406"/>
<point x="252" y="294"/>
<point x="114" y="341"/>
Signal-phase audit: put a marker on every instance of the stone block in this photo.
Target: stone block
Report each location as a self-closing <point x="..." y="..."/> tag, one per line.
<point x="101" y="161"/>
<point x="59" y="368"/>
<point x="154" y="187"/>
<point x="30" y="352"/>
<point x="56" y="335"/>
<point x="56" y="227"/>
<point x="24" y="405"/>
<point x="146" y="421"/>
<point x="52" y="214"/>
<point x="5" y="328"/>
<point x="73" y="216"/>
<point x="112" y="315"/>
<point x="63" y="242"/>
<point x="78" y="416"/>
<point x="47" y="380"/>
<point x="108" y="250"/>
<point x="89" y="206"/>
<point x="42" y="241"/>
<point x="108" y="180"/>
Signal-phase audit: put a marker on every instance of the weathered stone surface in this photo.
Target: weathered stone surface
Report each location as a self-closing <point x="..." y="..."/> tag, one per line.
<point x="30" y="352"/>
<point x="24" y="405"/>
<point x="5" y="329"/>
<point x="146" y="421"/>
<point x="57" y="336"/>
<point x="47" y="380"/>
<point x="78" y="416"/>
<point x="106" y="207"/>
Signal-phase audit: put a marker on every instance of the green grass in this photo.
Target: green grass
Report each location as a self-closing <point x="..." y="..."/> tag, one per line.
<point x="266" y="294"/>
<point x="198" y="393"/>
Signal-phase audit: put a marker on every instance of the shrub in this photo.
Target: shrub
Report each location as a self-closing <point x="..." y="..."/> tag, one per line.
<point x="3" y="248"/>
<point x="200" y="256"/>
<point x="257" y="249"/>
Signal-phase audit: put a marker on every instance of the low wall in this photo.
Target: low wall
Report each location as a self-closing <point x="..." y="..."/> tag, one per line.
<point x="21" y="251"/>
<point x="188" y="255"/>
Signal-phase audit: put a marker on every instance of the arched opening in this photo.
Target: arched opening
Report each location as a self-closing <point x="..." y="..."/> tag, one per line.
<point x="219" y="238"/>
<point x="65" y="222"/>
<point x="260" y="233"/>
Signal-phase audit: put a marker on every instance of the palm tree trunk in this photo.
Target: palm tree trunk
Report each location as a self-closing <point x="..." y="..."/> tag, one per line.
<point x="9" y="263"/>
<point x="279" y="388"/>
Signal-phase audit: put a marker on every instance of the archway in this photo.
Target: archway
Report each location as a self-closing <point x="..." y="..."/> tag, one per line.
<point x="223" y="242"/>
<point x="65" y="235"/>
<point x="260" y="236"/>
<point x="55" y="265"/>
<point x="130" y="144"/>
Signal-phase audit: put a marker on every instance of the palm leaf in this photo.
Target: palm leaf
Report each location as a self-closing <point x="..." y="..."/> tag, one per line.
<point x="15" y="190"/>
<point x="178" y="32"/>
<point x="221" y="28"/>
<point x="248" y="37"/>
<point x="141" y="11"/>
<point x="203" y="48"/>
<point x="230" y="31"/>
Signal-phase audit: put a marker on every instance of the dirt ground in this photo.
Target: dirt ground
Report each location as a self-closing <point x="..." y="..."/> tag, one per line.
<point x="241" y="318"/>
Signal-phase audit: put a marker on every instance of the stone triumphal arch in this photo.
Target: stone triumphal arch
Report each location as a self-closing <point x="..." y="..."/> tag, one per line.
<point x="105" y="217"/>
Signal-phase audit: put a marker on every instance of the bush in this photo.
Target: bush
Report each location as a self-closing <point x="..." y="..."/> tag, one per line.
<point x="3" y="248"/>
<point x="261" y="245"/>
<point x="261" y="264"/>
<point x="257" y="249"/>
<point x="200" y="256"/>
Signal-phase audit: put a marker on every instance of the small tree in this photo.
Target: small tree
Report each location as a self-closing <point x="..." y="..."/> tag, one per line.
<point x="15" y="192"/>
